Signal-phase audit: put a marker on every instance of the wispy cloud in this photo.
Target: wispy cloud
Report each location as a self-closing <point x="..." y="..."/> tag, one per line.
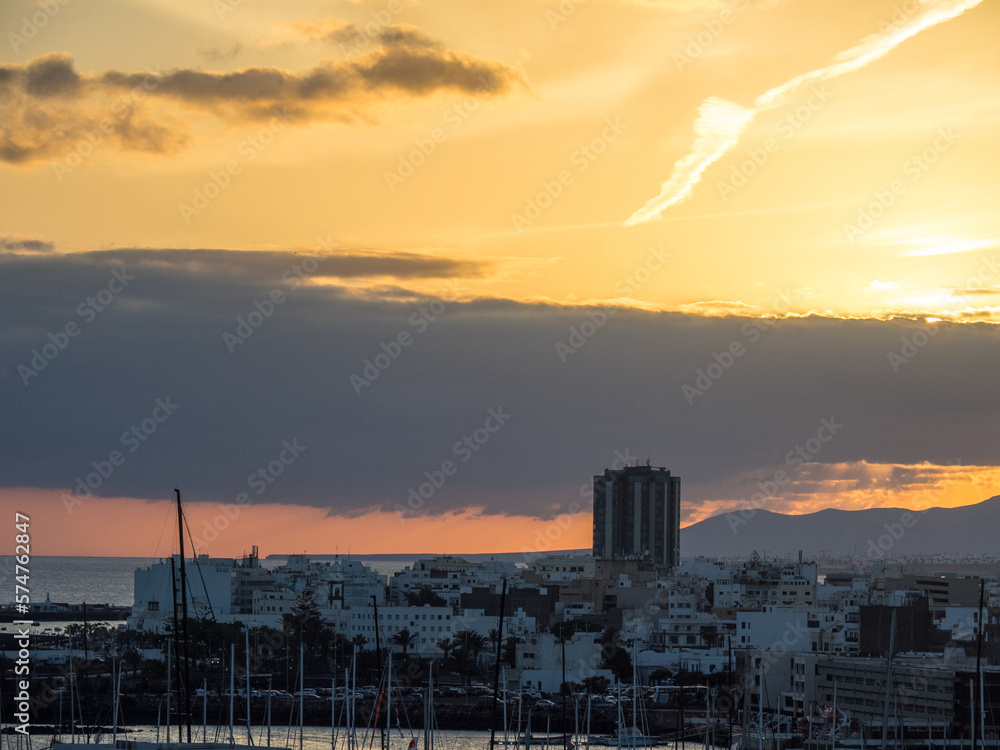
<point x="717" y="129"/>
<point x="720" y="123"/>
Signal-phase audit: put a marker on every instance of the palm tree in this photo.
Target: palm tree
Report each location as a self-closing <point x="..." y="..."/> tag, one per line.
<point x="446" y="645"/>
<point x="472" y="641"/>
<point x="358" y="642"/>
<point x="610" y="636"/>
<point x="464" y="664"/>
<point x="613" y="656"/>
<point x="133" y="658"/>
<point x="405" y="639"/>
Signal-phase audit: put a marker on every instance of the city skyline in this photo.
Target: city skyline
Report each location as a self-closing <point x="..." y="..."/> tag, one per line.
<point x="388" y="275"/>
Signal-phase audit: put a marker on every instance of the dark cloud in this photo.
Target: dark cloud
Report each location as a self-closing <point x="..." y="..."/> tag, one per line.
<point x="357" y="36"/>
<point x="50" y="75"/>
<point x="621" y="387"/>
<point x="415" y="70"/>
<point x="25" y="245"/>
<point x="216" y="54"/>
<point x="47" y="107"/>
<point x="49" y="111"/>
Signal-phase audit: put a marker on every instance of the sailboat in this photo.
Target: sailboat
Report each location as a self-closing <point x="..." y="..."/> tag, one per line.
<point x="125" y="744"/>
<point x="630" y="737"/>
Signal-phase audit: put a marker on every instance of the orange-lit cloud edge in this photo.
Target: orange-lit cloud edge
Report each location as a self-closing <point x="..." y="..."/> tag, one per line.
<point x="128" y="527"/>
<point x="951" y="306"/>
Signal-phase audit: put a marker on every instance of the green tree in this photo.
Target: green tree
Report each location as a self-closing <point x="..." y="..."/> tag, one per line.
<point x="510" y="651"/>
<point x="305" y="626"/>
<point x="614" y="657"/>
<point x="709" y="635"/>
<point x="661" y="675"/>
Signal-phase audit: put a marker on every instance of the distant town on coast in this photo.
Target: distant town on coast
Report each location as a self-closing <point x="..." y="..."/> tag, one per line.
<point x="630" y="620"/>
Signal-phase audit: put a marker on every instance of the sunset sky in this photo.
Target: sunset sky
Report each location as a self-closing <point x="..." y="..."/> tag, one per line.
<point x="402" y="275"/>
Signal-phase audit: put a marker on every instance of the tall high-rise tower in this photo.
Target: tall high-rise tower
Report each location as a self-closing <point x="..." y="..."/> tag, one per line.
<point x="637" y="512"/>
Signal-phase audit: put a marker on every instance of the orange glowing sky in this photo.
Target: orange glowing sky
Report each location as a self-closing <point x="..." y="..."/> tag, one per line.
<point x="228" y="530"/>
<point x="757" y="158"/>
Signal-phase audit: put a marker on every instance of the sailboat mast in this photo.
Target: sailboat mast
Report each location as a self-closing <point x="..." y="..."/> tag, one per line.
<point x="496" y="672"/>
<point x="378" y="657"/>
<point x="635" y="707"/>
<point x="979" y="661"/>
<point x="183" y="678"/>
<point x="888" y="679"/>
<point x="246" y="648"/>
<point x="760" y="709"/>
<point x="177" y="654"/>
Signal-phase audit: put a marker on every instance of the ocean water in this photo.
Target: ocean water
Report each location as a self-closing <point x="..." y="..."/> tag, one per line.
<point x="95" y="580"/>
<point x="111" y="580"/>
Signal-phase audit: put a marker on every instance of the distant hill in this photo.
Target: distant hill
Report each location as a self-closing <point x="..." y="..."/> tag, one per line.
<point x="408" y="557"/>
<point x="874" y="533"/>
<point x="966" y="530"/>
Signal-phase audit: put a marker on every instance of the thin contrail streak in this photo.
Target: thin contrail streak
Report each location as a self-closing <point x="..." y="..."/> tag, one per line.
<point x="720" y="123"/>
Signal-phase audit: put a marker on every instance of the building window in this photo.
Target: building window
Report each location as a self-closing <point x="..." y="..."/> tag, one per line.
<point x="153" y="606"/>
